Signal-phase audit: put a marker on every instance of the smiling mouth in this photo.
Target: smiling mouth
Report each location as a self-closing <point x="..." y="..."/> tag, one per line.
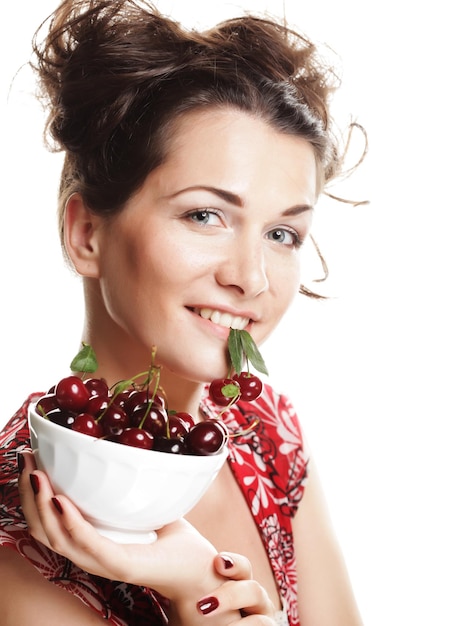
<point x="223" y="319"/>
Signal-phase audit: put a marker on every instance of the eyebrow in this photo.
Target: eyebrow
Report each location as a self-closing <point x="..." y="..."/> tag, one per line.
<point x="235" y="199"/>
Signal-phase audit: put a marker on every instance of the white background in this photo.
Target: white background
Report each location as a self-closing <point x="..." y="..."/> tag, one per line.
<point x="372" y="371"/>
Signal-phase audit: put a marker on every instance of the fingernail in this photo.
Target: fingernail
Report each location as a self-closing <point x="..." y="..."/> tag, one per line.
<point x="57" y="505"/>
<point x="207" y="605"/>
<point x="20" y="462"/>
<point x="228" y="561"/>
<point x="35" y="482"/>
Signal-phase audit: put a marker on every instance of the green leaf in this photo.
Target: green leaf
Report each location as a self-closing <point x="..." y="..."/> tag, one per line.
<point x="235" y="350"/>
<point x="85" y="360"/>
<point x="122" y="386"/>
<point x="230" y="391"/>
<point x="251" y="352"/>
<point x="242" y="347"/>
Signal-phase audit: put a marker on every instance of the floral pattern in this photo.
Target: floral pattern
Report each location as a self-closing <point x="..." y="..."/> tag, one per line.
<point x="270" y="465"/>
<point x="269" y="462"/>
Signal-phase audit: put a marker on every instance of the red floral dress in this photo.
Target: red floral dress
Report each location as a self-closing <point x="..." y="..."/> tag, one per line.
<point x="269" y="463"/>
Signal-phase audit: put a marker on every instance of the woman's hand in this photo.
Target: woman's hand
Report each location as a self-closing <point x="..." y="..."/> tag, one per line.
<point x="240" y="592"/>
<point x="179" y="559"/>
<point x="181" y="564"/>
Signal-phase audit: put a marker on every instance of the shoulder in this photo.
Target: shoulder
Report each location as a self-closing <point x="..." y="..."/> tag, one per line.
<point x="15" y="433"/>
<point x="14" y="437"/>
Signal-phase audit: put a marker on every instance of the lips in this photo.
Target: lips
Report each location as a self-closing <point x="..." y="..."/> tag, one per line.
<point x="222" y="318"/>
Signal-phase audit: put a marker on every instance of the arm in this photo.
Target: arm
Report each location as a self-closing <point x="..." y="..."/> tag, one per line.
<point x="325" y="594"/>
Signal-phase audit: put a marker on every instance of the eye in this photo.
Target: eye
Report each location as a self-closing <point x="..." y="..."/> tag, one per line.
<point x="285" y="236"/>
<point x="204" y="217"/>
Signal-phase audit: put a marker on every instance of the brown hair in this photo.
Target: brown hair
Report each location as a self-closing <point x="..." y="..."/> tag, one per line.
<point x="115" y="74"/>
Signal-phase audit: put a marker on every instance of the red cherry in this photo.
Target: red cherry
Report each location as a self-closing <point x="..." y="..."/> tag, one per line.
<point x="205" y="438"/>
<point x="173" y="445"/>
<point x="97" y="387"/>
<point x="151" y="417"/>
<point x="177" y="427"/>
<point x="250" y="386"/>
<point x="61" y="417"/>
<point x="72" y="394"/>
<point x="86" y="424"/>
<point x="160" y="400"/>
<point x="185" y="417"/>
<point x="220" y="425"/>
<point x="46" y="403"/>
<point x="119" y="399"/>
<point x="137" y="438"/>
<point x="141" y="397"/>
<point x="96" y="405"/>
<point x="223" y="391"/>
<point x="135" y="399"/>
<point x="113" y="420"/>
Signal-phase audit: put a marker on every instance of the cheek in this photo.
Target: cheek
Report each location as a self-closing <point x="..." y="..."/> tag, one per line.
<point x="129" y="251"/>
<point x="284" y="283"/>
<point x="285" y="280"/>
<point x="122" y="265"/>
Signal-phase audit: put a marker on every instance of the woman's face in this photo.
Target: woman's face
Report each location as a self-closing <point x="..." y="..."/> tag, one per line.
<point x="211" y="241"/>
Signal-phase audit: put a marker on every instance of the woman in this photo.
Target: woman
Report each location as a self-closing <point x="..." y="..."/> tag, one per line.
<point x="192" y="165"/>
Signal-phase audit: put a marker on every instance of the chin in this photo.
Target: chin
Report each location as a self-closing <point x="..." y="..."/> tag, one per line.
<point x="219" y="370"/>
<point x="199" y="372"/>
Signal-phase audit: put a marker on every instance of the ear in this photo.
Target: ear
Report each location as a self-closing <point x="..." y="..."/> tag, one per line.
<point x="81" y="233"/>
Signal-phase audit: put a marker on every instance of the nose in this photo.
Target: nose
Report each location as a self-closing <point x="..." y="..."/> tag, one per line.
<point x="244" y="268"/>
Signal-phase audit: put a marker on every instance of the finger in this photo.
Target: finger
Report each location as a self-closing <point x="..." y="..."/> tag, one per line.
<point x="256" y="620"/>
<point x="50" y="519"/>
<point x="58" y="524"/>
<point x="28" y="460"/>
<point x="27" y="465"/>
<point x="156" y="565"/>
<point x="247" y="596"/>
<point x="233" y="566"/>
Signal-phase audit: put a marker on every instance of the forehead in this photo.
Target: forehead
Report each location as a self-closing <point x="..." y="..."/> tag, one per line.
<point x="228" y="146"/>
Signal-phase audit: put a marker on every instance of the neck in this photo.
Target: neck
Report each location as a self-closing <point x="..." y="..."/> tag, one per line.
<point x="120" y="357"/>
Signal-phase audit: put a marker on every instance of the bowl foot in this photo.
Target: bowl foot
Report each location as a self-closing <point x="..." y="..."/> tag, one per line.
<point x="128" y="536"/>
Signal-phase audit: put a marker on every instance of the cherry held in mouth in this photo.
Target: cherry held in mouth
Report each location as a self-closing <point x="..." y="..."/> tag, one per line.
<point x="250" y="386"/>
<point x="224" y="391"/>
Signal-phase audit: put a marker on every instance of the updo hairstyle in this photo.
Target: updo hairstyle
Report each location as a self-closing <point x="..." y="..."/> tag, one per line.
<point x="115" y="74"/>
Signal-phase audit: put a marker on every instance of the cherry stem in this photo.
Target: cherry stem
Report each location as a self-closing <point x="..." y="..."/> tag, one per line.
<point x="252" y="426"/>
<point x="153" y="373"/>
<point x="42" y="412"/>
<point x="229" y="405"/>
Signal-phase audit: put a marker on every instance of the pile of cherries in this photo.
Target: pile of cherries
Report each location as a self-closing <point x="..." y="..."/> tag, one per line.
<point x="136" y="416"/>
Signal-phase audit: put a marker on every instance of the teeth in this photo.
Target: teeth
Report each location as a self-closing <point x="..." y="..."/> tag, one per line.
<point x="224" y="319"/>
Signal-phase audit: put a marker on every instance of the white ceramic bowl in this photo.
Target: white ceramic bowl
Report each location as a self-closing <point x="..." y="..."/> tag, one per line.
<point x="126" y="493"/>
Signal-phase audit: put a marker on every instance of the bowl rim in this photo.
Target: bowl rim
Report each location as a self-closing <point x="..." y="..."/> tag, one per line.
<point x="125" y="452"/>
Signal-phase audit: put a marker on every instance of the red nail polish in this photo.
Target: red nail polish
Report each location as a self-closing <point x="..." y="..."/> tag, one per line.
<point x="57" y="505"/>
<point x="207" y="605"/>
<point x="228" y="562"/>
<point x="20" y="462"/>
<point x="35" y="482"/>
